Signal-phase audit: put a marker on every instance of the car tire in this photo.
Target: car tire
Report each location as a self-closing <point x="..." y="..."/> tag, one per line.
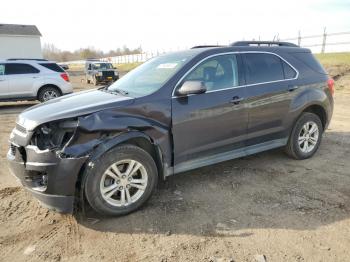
<point x="306" y="137"/>
<point x="47" y="93"/>
<point x="111" y="189"/>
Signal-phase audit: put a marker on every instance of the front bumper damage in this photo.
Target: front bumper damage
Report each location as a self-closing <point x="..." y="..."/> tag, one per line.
<point x="49" y="166"/>
<point x="50" y="178"/>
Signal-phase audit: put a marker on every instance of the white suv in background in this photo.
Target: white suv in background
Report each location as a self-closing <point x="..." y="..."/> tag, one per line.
<point x="32" y="79"/>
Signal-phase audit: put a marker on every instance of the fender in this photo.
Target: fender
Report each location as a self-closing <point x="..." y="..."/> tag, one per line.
<point x="108" y="144"/>
<point x="129" y="125"/>
<point x="317" y="94"/>
<point x="309" y="93"/>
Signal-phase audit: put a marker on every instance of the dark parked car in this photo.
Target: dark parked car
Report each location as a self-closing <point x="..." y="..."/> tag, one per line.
<point x="97" y="72"/>
<point x="174" y="113"/>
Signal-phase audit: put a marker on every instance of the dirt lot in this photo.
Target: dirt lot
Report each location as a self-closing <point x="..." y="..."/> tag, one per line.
<point x="266" y="204"/>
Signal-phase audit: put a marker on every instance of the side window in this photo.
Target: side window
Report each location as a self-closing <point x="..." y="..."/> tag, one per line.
<point x="289" y="72"/>
<point x="52" y="66"/>
<point x="17" y="68"/>
<point x="263" y="68"/>
<point x="217" y="73"/>
<point x="2" y="69"/>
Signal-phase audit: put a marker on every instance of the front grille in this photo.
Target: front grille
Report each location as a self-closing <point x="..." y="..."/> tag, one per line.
<point x="21" y="128"/>
<point x="108" y="73"/>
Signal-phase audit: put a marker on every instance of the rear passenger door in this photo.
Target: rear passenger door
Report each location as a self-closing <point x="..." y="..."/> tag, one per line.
<point x="269" y="82"/>
<point x="21" y="79"/>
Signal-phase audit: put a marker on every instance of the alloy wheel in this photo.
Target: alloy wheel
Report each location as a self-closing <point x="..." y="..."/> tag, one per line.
<point x="49" y="94"/>
<point x="124" y="182"/>
<point x="308" y="137"/>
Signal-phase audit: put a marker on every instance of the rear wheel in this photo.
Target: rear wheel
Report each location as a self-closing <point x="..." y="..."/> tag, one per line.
<point x="121" y="180"/>
<point x="47" y="93"/>
<point x="306" y="136"/>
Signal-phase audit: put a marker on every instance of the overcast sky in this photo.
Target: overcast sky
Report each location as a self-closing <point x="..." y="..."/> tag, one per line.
<point x="175" y="24"/>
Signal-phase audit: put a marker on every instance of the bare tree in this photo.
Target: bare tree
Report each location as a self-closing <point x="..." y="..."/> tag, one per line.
<point x="51" y="52"/>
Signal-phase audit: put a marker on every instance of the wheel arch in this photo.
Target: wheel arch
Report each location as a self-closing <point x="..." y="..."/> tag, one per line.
<point x="319" y="111"/>
<point x="135" y="138"/>
<point x="313" y="100"/>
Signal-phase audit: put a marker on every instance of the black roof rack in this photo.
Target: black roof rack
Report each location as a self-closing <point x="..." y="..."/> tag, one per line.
<point x="263" y="43"/>
<point x="30" y="59"/>
<point x="204" y="46"/>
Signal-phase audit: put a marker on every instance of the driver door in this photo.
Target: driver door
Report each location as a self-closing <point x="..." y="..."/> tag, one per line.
<point x="213" y="124"/>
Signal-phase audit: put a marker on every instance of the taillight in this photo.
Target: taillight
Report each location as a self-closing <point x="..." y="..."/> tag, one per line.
<point x="65" y="76"/>
<point x="330" y="84"/>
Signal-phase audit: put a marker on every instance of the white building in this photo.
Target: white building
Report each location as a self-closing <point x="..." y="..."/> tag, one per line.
<point x="19" y="41"/>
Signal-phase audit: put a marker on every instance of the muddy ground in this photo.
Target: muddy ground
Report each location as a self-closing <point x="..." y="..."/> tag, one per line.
<point x="241" y="210"/>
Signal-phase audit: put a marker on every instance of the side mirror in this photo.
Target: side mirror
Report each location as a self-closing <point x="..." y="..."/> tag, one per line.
<point x="191" y="87"/>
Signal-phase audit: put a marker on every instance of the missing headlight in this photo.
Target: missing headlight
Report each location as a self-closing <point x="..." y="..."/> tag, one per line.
<point x="54" y="135"/>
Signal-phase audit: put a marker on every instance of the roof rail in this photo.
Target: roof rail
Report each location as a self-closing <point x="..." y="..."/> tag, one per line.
<point x="30" y="59"/>
<point x="263" y="43"/>
<point x="204" y="46"/>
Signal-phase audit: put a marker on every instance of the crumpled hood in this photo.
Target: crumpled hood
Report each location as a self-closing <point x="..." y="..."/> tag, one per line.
<point x="68" y="106"/>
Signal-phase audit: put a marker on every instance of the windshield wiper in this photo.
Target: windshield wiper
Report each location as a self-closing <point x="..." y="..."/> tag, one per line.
<point x="122" y="92"/>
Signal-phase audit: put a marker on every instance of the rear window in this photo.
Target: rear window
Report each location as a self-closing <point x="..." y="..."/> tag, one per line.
<point x="18" y="68"/>
<point x="289" y="72"/>
<point x="53" y="67"/>
<point x="309" y="60"/>
<point x="262" y="68"/>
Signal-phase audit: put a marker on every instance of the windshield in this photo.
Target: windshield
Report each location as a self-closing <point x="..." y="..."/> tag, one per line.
<point x="99" y="66"/>
<point x="152" y="75"/>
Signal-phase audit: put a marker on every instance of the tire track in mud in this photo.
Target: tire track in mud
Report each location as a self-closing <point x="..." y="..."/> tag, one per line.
<point x="8" y="191"/>
<point x="73" y="245"/>
<point x="52" y="236"/>
<point x="337" y="77"/>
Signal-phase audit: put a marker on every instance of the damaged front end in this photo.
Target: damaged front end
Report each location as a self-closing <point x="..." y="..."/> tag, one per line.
<point x="47" y="154"/>
<point x="38" y="160"/>
<point x="52" y="141"/>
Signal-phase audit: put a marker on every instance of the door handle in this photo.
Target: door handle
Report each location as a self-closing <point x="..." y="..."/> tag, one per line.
<point x="2" y="80"/>
<point x="236" y="100"/>
<point x="292" y="88"/>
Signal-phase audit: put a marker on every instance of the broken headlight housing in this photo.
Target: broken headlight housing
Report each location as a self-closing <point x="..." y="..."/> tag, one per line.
<point x="54" y="135"/>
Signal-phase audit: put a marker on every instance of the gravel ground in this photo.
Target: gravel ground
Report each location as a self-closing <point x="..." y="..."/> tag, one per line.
<point x="262" y="206"/>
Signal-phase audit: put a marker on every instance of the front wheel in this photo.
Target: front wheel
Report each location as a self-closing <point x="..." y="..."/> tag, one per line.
<point x="306" y="136"/>
<point x="121" y="181"/>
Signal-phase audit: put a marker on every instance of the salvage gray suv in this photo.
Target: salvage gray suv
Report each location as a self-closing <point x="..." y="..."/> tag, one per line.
<point x="174" y="113"/>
